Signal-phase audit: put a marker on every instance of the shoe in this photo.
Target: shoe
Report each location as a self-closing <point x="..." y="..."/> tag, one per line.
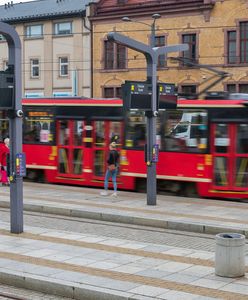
<point x="114" y="194"/>
<point x="104" y="193"/>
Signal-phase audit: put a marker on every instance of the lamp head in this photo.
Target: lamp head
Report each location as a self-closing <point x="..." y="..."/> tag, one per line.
<point x="126" y="19"/>
<point x="156" y="16"/>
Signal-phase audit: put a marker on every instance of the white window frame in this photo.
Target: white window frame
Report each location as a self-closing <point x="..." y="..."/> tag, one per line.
<point x="34" y="65"/>
<point x="62" y="65"/>
<point x="29" y="34"/>
<point x="60" y="31"/>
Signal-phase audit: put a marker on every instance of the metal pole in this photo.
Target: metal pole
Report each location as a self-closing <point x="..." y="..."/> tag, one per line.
<point x="151" y="53"/>
<point x="16" y="185"/>
<point x="151" y="185"/>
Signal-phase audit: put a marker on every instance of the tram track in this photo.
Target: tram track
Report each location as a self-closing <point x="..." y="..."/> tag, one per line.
<point x="119" y="225"/>
<point x="117" y="230"/>
<point x="89" y="210"/>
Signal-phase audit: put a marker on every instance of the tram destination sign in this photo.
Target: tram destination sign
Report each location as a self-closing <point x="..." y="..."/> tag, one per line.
<point x="138" y="95"/>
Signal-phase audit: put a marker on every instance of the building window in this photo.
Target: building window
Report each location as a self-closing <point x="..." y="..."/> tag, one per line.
<point x="244" y="42"/>
<point x="112" y="92"/>
<point x="187" y="91"/>
<point x="237" y="45"/>
<point x="63" y="66"/>
<point x="159" y="42"/>
<point x="115" y="56"/>
<point x="2" y="37"/>
<point x="231" y="88"/>
<point x="34" y="31"/>
<point x="231" y="49"/>
<point x="237" y="88"/>
<point x="243" y="88"/>
<point x="35" y="68"/>
<point x="63" y="28"/>
<point x="190" y="39"/>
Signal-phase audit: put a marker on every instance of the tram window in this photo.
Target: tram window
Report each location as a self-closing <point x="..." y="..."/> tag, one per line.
<point x="115" y="132"/>
<point x="182" y="131"/>
<point x="99" y="131"/>
<point x="77" y="161"/>
<point x="221" y="140"/>
<point x="99" y="163"/>
<point x="78" y="133"/>
<point x="135" y="131"/>
<point x="241" y="172"/>
<point x="38" y="130"/>
<point x="242" y="138"/>
<point x="63" y="160"/>
<point x="64" y="132"/>
<point x="221" y="171"/>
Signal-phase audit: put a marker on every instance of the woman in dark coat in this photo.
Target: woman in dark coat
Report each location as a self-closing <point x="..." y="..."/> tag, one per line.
<point x="112" y="169"/>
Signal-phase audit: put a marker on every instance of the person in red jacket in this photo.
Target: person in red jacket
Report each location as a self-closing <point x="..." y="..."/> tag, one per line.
<point x="4" y="152"/>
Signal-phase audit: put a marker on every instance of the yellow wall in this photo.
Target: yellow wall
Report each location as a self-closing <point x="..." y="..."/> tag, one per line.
<point x="211" y="46"/>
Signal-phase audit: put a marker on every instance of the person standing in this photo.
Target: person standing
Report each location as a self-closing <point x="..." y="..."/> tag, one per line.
<point x="112" y="169"/>
<point x="4" y="152"/>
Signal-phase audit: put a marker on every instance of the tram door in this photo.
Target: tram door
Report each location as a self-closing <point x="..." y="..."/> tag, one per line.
<point x="230" y="156"/>
<point x="104" y="132"/>
<point x="70" y="147"/>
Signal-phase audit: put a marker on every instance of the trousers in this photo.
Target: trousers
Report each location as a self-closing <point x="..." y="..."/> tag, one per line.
<point x="112" y="174"/>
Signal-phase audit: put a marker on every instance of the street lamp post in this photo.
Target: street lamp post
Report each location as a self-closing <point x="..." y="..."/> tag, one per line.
<point x="151" y="54"/>
<point x="151" y="185"/>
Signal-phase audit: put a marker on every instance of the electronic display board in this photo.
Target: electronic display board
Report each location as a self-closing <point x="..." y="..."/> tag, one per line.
<point x="138" y="95"/>
<point x="7" y="88"/>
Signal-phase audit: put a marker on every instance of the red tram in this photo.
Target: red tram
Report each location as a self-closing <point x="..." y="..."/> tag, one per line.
<point x="203" y="144"/>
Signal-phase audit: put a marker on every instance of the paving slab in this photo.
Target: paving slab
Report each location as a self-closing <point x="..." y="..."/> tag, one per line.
<point x="88" y="266"/>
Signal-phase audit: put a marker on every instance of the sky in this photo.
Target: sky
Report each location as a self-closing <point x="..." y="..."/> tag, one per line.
<point x="2" y="2"/>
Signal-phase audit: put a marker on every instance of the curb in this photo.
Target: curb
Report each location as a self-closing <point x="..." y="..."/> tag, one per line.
<point x="134" y="220"/>
<point x="63" y="288"/>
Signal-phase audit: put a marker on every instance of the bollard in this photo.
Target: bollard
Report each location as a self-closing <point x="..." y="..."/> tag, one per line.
<point x="230" y="255"/>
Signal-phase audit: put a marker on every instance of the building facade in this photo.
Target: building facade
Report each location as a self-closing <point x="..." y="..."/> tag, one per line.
<point x="56" y="55"/>
<point x="216" y="31"/>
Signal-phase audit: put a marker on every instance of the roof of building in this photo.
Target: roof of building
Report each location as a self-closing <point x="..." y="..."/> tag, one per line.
<point x="42" y="9"/>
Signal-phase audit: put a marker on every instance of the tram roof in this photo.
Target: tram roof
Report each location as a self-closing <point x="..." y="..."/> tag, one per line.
<point x="183" y="103"/>
<point x="77" y="101"/>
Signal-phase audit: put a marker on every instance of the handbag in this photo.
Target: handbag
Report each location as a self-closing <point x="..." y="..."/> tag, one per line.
<point x="112" y="167"/>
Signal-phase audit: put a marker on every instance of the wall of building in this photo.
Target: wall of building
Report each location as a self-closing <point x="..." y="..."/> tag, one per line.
<point x="209" y="25"/>
<point x="48" y="49"/>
